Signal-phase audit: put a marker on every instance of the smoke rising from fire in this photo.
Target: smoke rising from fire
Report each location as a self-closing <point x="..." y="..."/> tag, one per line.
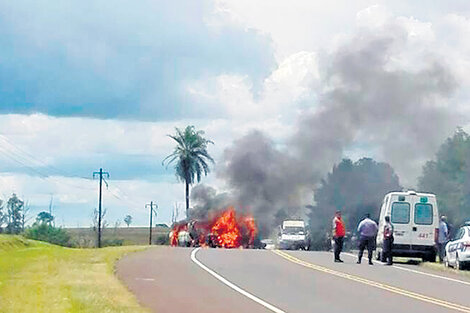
<point x="368" y="95"/>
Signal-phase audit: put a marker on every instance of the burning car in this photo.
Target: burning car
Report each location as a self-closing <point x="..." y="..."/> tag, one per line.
<point x="228" y="229"/>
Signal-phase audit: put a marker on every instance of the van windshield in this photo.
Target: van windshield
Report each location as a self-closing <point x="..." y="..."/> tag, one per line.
<point x="294" y="230"/>
<point x="400" y="213"/>
<point x="423" y="214"/>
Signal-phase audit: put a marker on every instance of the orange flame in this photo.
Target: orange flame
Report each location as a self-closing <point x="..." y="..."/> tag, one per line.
<point x="249" y="221"/>
<point x="227" y="230"/>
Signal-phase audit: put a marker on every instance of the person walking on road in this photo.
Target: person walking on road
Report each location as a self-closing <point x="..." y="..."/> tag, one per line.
<point x="443" y="238"/>
<point x="339" y="231"/>
<point x="367" y="230"/>
<point x="388" y="241"/>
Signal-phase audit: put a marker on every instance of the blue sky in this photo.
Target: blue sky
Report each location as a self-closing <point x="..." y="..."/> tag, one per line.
<point x="122" y="59"/>
<point x="93" y="84"/>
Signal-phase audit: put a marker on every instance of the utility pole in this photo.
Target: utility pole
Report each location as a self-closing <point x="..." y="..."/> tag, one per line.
<point x="100" y="173"/>
<point x="152" y="211"/>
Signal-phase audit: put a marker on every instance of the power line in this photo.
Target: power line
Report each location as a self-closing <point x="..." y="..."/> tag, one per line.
<point x="46" y="171"/>
<point x="15" y="157"/>
<point x="35" y="159"/>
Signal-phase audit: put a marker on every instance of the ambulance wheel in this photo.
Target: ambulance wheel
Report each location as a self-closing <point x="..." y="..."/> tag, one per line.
<point x="446" y="262"/>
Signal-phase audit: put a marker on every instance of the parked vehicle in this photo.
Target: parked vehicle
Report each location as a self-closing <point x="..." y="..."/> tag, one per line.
<point x="293" y="235"/>
<point x="268" y="244"/>
<point x="415" y="218"/>
<point x="458" y="249"/>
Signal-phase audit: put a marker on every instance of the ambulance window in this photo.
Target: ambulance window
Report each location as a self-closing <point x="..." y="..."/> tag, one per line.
<point x="423" y="214"/>
<point x="400" y="212"/>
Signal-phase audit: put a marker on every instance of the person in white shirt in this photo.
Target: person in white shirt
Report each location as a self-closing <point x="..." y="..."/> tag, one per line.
<point x="443" y="238"/>
<point x="367" y="230"/>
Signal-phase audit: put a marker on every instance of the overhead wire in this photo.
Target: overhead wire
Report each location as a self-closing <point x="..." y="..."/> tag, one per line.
<point x="35" y="159"/>
<point x="22" y="157"/>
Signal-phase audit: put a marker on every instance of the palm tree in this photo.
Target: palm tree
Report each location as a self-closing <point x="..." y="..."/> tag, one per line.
<point x="190" y="157"/>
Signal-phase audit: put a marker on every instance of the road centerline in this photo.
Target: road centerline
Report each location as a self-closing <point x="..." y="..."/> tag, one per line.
<point x="407" y="293"/>
<point x="232" y="285"/>
<point x="420" y="272"/>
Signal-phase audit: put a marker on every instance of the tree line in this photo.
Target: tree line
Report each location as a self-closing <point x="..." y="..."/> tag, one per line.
<point x="13" y="220"/>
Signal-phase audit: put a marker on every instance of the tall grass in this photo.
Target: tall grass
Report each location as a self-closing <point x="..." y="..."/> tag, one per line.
<point x="40" y="277"/>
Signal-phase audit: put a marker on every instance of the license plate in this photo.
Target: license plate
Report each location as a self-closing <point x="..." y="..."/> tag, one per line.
<point x="399" y="233"/>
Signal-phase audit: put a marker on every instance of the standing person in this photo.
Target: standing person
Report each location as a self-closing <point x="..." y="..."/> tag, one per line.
<point x="388" y="241"/>
<point x="367" y="230"/>
<point x="443" y="238"/>
<point x="339" y="231"/>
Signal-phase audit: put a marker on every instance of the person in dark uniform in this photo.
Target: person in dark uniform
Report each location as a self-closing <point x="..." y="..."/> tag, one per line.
<point x="388" y="241"/>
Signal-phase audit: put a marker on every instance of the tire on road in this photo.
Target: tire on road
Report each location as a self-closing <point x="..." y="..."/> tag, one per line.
<point x="430" y="257"/>
<point x="458" y="265"/>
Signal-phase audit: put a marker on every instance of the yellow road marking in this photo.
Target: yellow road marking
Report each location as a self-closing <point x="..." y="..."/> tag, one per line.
<point x="410" y="294"/>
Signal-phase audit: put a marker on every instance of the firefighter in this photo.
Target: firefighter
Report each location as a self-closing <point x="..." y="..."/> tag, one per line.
<point x="388" y="241"/>
<point x="339" y="231"/>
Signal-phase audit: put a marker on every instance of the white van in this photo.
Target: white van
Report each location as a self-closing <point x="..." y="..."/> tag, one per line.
<point x="415" y="219"/>
<point x="293" y="235"/>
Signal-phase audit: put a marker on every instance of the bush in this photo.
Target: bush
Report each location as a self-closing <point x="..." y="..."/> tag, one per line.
<point x="48" y="233"/>
<point x="162" y="240"/>
<point x="112" y="242"/>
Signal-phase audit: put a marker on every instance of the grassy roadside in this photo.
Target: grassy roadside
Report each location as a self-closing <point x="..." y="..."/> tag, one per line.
<point x="440" y="267"/>
<point x="39" y="277"/>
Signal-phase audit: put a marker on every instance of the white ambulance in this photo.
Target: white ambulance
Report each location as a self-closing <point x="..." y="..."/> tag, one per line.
<point x="415" y="219"/>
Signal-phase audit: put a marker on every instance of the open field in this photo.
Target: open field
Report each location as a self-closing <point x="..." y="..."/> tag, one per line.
<point x="39" y="277"/>
<point x="86" y="236"/>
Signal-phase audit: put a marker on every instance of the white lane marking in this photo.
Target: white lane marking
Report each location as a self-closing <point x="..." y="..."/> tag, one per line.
<point x="145" y="279"/>
<point x="420" y="272"/>
<point x="233" y="286"/>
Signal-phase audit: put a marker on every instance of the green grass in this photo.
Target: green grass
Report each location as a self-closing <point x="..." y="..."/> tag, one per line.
<point x="40" y="277"/>
<point x="440" y="267"/>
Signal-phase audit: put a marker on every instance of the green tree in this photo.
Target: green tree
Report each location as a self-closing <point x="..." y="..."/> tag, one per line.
<point x="15" y="217"/>
<point x="128" y="220"/>
<point x="355" y="188"/>
<point x="448" y="176"/>
<point x="44" y="218"/>
<point x="190" y="157"/>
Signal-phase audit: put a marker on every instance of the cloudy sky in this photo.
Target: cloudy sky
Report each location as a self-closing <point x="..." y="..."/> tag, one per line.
<point x="92" y="84"/>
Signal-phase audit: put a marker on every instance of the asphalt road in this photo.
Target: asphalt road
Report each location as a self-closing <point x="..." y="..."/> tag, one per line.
<point x="167" y="279"/>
